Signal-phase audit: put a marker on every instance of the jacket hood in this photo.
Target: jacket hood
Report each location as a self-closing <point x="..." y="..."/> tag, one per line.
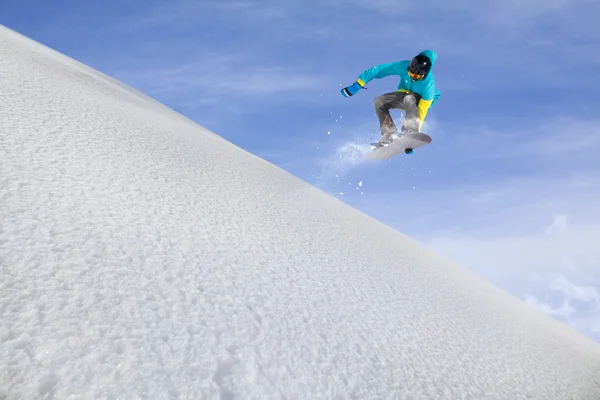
<point x="431" y="54"/>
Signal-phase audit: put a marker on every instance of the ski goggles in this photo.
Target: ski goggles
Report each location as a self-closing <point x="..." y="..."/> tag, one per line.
<point x="415" y="77"/>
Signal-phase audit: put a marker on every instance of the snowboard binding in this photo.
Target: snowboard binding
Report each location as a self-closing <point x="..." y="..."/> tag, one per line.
<point x="383" y="143"/>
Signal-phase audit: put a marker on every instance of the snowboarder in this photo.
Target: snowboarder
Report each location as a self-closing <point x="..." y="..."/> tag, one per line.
<point x="415" y="95"/>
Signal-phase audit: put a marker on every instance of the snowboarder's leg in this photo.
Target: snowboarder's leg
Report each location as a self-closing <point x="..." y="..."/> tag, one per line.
<point x="383" y="104"/>
<point x="398" y="100"/>
<point x="411" y="119"/>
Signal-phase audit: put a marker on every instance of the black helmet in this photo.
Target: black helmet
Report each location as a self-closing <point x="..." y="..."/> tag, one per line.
<point x="420" y="65"/>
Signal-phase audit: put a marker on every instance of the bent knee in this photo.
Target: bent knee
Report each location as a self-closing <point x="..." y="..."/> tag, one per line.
<point x="410" y="100"/>
<point x="382" y="102"/>
<point x="379" y="101"/>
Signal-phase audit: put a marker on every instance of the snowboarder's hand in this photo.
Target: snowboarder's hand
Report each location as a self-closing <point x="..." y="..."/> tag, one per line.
<point x="352" y="89"/>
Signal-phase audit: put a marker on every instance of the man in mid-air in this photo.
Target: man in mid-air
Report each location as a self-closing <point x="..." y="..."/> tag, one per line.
<point x="416" y="93"/>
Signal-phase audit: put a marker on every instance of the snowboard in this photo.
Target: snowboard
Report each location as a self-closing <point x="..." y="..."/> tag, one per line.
<point x="403" y="144"/>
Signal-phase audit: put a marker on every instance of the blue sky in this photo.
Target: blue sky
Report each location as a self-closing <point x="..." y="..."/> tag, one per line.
<point x="509" y="187"/>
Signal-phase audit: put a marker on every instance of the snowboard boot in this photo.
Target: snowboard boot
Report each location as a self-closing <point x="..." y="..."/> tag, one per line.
<point x="385" y="140"/>
<point x="379" y="144"/>
<point x="388" y="131"/>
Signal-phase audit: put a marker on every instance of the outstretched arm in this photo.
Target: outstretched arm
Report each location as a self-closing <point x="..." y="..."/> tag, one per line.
<point x="383" y="70"/>
<point x="376" y="72"/>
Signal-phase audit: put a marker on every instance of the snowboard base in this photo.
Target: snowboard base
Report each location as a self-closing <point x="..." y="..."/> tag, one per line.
<point x="404" y="144"/>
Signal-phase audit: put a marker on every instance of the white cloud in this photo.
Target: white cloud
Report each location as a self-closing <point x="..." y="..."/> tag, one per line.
<point x="558" y="225"/>
<point x="579" y="305"/>
<point x="565" y="310"/>
<point x="575" y="292"/>
<point x="189" y="13"/>
<point x="500" y="14"/>
<point x="234" y="78"/>
<point x="559" y="274"/>
<point x="553" y="147"/>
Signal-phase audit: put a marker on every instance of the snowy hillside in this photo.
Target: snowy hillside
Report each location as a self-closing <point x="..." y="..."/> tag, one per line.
<point x="143" y="257"/>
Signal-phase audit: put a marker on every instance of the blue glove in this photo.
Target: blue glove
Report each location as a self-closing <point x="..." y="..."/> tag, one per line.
<point x="355" y="87"/>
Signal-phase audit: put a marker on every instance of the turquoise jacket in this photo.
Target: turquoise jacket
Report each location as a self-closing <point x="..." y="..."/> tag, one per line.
<point x="426" y="88"/>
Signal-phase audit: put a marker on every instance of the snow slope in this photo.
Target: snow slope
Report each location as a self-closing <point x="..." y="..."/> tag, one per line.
<point x="144" y="257"/>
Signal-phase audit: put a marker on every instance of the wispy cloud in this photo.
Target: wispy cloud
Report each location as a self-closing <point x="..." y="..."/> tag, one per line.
<point x="228" y="78"/>
<point x="186" y="14"/>
<point x="498" y="207"/>
<point x="558" y="225"/>
<point x="576" y="305"/>
<point x="584" y="294"/>
<point x="564" y="311"/>
<point x="499" y="14"/>
<point x="556" y="273"/>
<point x="482" y="165"/>
<point x="548" y="149"/>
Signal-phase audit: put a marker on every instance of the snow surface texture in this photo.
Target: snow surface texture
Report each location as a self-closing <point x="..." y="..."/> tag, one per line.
<point x="144" y="257"/>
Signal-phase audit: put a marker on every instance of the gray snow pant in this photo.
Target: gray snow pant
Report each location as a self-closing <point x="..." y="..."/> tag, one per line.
<point x="399" y="100"/>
